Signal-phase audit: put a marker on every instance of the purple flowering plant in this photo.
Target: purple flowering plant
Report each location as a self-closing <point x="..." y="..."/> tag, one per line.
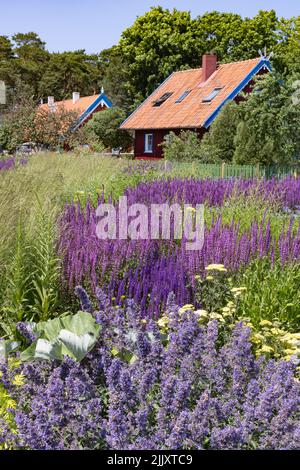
<point x="196" y="393"/>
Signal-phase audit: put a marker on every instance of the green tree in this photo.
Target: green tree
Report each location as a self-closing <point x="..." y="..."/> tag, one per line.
<point x="30" y="59"/>
<point x="6" y="48"/>
<point x="158" y="43"/>
<point x="183" y="147"/>
<point x="219" y="141"/>
<point x="287" y="51"/>
<point x="270" y="119"/>
<point x="114" y="77"/>
<point x="104" y="128"/>
<point x="234" y="38"/>
<point x="70" y="71"/>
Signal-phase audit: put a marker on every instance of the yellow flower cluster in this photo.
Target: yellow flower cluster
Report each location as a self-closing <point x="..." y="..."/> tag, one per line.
<point x="186" y="308"/>
<point x="237" y="291"/>
<point x="273" y="340"/>
<point x="6" y="402"/>
<point x="163" y="324"/>
<point x="216" y="267"/>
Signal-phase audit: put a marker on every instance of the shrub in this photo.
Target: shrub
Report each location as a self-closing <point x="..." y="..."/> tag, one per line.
<point x="104" y="128"/>
<point x="183" y="147"/>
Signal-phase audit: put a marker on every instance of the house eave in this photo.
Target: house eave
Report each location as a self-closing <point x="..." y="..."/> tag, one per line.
<point x="264" y="63"/>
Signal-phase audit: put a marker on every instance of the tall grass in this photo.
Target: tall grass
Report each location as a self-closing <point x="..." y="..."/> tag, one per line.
<point x="249" y="209"/>
<point x="31" y="198"/>
<point x="273" y="293"/>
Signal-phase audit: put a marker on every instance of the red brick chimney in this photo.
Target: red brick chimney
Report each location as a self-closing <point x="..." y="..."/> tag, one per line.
<point x="209" y="65"/>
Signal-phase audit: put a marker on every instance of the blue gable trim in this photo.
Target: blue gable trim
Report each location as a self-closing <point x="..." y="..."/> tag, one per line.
<point x="93" y="106"/>
<point x="238" y="89"/>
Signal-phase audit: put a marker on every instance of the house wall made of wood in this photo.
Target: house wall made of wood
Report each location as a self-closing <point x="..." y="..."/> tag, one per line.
<point x="158" y="138"/>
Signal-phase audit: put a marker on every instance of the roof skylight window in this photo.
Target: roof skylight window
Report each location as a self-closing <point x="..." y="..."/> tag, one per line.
<point x="183" y="96"/>
<point x="162" y="99"/>
<point x="212" y="95"/>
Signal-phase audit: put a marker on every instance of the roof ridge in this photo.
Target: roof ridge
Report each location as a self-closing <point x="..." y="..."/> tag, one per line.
<point x="240" y="61"/>
<point x="188" y="70"/>
<point x="219" y="65"/>
<point x="81" y="97"/>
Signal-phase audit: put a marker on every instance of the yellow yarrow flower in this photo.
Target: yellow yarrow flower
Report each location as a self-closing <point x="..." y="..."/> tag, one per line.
<point x="18" y="380"/>
<point x="267" y="349"/>
<point x="265" y="323"/>
<point x="289" y="352"/>
<point x="185" y="308"/>
<point x="216" y="267"/>
<point x="216" y="316"/>
<point x="226" y="309"/>
<point x="163" y="322"/>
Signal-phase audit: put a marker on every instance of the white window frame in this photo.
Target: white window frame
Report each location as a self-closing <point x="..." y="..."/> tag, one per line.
<point x="147" y="148"/>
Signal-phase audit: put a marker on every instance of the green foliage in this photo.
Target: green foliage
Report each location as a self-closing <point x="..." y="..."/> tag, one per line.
<point x="45" y="266"/>
<point x="72" y="335"/>
<point x="70" y="71"/>
<point x="183" y="147"/>
<point x="213" y="292"/>
<point x="287" y="52"/>
<point x="31" y="278"/>
<point x="219" y="141"/>
<point x="104" y="128"/>
<point x="114" y="77"/>
<point x="269" y="117"/>
<point x="273" y="293"/>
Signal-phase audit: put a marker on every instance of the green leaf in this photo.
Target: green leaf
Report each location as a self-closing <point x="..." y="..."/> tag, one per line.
<point x="72" y="335"/>
<point x="7" y="347"/>
<point x="42" y="349"/>
<point x="77" y="346"/>
<point x="81" y="323"/>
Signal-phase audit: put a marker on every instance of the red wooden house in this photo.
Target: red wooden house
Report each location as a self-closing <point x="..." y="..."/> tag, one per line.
<point x="190" y="100"/>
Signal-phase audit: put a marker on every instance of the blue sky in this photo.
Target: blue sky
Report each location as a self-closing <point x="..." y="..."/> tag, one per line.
<point x="97" y="24"/>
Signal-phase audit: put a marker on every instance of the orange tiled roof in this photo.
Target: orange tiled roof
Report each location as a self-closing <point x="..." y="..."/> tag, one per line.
<point x="191" y="112"/>
<point x="79" y="107"/>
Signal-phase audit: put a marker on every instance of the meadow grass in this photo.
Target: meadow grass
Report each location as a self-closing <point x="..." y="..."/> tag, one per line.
<point x="272" y="293"/>
<point x="31" y="198"/>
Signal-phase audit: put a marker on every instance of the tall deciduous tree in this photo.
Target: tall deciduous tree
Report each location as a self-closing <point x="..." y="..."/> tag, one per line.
<point x="270" y="119"/>
<point x="158" y="43"/>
